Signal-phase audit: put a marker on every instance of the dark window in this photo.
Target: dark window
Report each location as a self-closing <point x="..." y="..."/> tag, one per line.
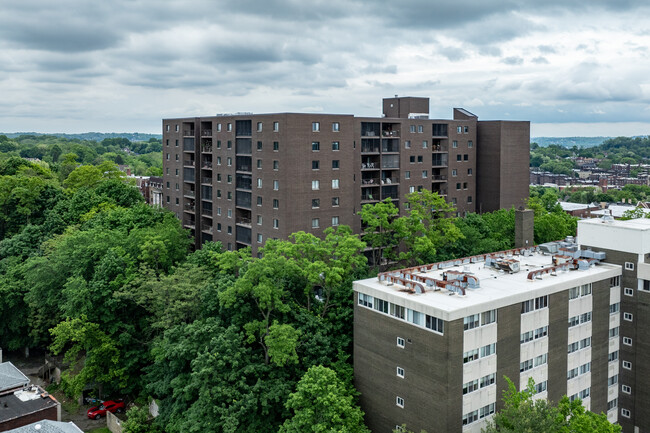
<point x="276" y="145"/>
<point x="315" y="165"/>
<point x="259" y="145"/>
<point x="459" y="157"/>
<point x="335" y="163"/>
<point x="412" y="159"/>
<point x="315" y="145"/>
<point x="419" y="158"/>
<point x="315" y="202"/>
<point x="276" y="203"/>
<point x="466" y="157"/>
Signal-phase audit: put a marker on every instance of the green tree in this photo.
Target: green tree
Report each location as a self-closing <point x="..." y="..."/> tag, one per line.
<point x="92" y="355"/>
<point x="139" y="421"/>
<point x="322" y="404"/>
<point x="380" y="231"/>
<point x="427" y="227"/>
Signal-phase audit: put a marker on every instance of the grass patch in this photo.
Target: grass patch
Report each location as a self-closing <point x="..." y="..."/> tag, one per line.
<point x="100" y="430"/>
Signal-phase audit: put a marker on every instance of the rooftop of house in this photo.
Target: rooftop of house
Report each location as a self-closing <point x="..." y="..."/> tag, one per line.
<point x="454" y="289"/>
<point x="25" y="401"/>
<point x="47" y="426"/>
<point x="11" y="377"/>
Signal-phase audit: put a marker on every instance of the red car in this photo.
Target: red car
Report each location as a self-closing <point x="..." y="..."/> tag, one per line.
<point x="112" y="406"/>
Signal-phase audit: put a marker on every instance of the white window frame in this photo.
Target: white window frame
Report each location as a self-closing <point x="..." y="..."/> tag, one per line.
<point x="628" y="291"/>
<point x="315" y="185"/>
<point x="401" y="342"/>
<point x="627" y="341"/>
<point x="629" y="266"/>
<point x="628" y="316"/>
<point x="627" y="389"/>
<point x="400" y="372"/>
<point x="276" y="126"/>
<point x="399" y="401"/>
<point x="626" y="365"/>
<point x="315" y="126"/>
<point x="335" y="183"/>
<point x="625" y="413"/>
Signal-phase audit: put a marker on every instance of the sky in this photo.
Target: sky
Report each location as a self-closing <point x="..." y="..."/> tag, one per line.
<point x="573" y="68"/>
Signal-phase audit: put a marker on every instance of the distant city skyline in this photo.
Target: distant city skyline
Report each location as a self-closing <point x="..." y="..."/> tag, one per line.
<point x="571" y="68"/>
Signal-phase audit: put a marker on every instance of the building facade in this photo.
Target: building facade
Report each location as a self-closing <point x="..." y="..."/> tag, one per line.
<point x="432" y="344"/>
<point x="244" y="178"/>
<point x="627" y="243"/>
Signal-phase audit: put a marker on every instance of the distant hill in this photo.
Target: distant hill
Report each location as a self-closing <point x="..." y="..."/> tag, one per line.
<point x="569" y="141"/>
<point x="95" y="136"/>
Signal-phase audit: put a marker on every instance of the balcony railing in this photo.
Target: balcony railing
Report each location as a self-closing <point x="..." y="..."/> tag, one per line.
<point x="206" y="212"/>
<point x="391" y="195"/>
<point x="206" y="149"/>
<point x="439" y="177"/>
<point x="189" y="194"/>
<point x="207" y="180"/>
<point x="369" y="197"/>
<point x="206" y="164"/>
<point x="206" y="133"/>
<point x="244" y="221"/>
<point x="369" y="165"/>
<point x="207" y="229"/>
<point x="387" y="133"/>
<point x="369" y="182"/>
<point x="188" y="133"/>
<point x="389" y="180"/>
<point x="188" y="162"/>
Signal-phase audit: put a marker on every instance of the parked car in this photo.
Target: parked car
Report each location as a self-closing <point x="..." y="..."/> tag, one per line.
<point x="112" y="406"/>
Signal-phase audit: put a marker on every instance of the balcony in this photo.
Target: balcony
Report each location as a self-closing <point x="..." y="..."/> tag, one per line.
<point x="206" y="148"/>
<point x="206" y="213"/>
<point x="189" y="208"/>
<point x="390" y="181"/>
<point x="369" y="182"/>
<point x="206" y="133"/>
<point x="207" y="229"/>
<point x="389" y="145"/>
<point x="369" y="145"/>
<point x="206" y="180"/>
<point x="188" y="162"/>
<point x="189" y="194"/>
<point x="188" y="133"/>
<point x="439" y="177"/>
<point x="439" y="160"/>
<point x="390" y="133"/>
<point x="206" y="164"/>
<point x="244" y="222"/>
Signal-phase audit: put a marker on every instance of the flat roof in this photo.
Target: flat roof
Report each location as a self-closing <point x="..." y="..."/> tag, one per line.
<point x="634" y="224"/>
<point x="22" y="403"/>
<point x="496" y="288"/>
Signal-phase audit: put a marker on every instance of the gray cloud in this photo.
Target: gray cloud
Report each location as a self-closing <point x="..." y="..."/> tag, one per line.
<point x="512" y="60"/>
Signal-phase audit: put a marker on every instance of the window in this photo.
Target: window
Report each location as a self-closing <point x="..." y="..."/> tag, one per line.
<point x="399" y="401"/>
<point x="176" y="172"/>
<point x="411" y="189"/>
<point x="612" y="404"/>
<point x="315" y="223"/>
<point x="420" y="158"/>
<point x="336" y="127"/>
<point x="167" y="157"/>
<point x="459" y="157"/>
<point x="424" y="144"/>
<point x="229" y="127"/>
<point x="471" y="322"/>
<point x="176" y="144"/>
<point x="276" y="164"/>
<point x="466" y="129"/>
<point x="407" y="144"/>
<point x="167" y="128"/>
<point x="579" y="345"/>
<point x="612" y="380"/>
<point x="627" y="365"/>
<point x="628" y="291"/>
<point x="219" y="211"/>
<point x="218" y="127"/>
<point x="400" y="372"/>
<point x="470" y="386"/>
<point x="315" y="203"/>
<point x="335" y="184"/>
<point x="541" y="387"/>
<point x="315" y="165"/>
<point x="229" y="195"/>
<point x="412" y="129"/>
<point x="229" y="161"/>
<point x="412" y="159"/>
<point x="625" y="413"/>
<point x="459" y="129"/>
<point x="176" y="128"/>
<point x="276" y="203"/>
<point x="218" y="160"/>
<point x="229" y="230"/>
<point x="276" y="185"/>
<point x="469" y="418"/>
<point x="488" y="380"/>
<point x="259" y="220"/>
<point x="229" y="178"/>
<point x="397" y="311"/>
<point x="335" y="145"/>
<point x="469" y="172"/>
<point x="612" y="357"/>
<point x="454" y="172"/>
<point x="335" y="164"/>
<point x="218" y="193"/>
<point x="335" y="221"/>
<point x="615" y="281"/>
<point x="470" y="356"/>
<point x="259" y="201"/>
<point x="465" y="157"/>
<point x="628" y="317"/>
<point x="315" y="146"/>
<point x="488" y="350"/>
<point x="464" y="185"/>
<point x="315" y="185"/>
<point x="407" y="175"/>
<point x="218" y="227"/>
<point x="470" y="144"/>
<point x="420" y="129"/>
<point x="276" y="223"/>
<point x="534" y="304"/>
<point x="259" y="183"/>
<point x="315" y="126"/>
<point x="259" y="146"/>
<point x="626" y="389"/>
<point x="627" y="341"/>
<point x="276" y="146"/>
<point x="276" y="126"/>
<point x="400" y="340"/>
<point x="525" y="365"/>
<point x="629" y="266"/>
<point x="229" y="144"/>
<point x="454" y="144"/>
<point x="424" y="174"/>
<point x="434" y="323"/>
<point x="259" y="238"/>
<point x="488" y="317"/>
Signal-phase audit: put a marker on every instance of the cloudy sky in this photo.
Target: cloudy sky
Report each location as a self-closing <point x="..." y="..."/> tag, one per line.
<point x="571" y="67"/>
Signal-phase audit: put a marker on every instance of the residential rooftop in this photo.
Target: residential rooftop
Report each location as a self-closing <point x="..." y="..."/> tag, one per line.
<point x="47" y="426"/>
<point x="455" y="289"/>
<point x="11" y="377"/>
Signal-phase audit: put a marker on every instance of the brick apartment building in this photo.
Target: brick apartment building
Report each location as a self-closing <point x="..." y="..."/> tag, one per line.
<point x="244" y="178"/>
<point x="433" y="343"/>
